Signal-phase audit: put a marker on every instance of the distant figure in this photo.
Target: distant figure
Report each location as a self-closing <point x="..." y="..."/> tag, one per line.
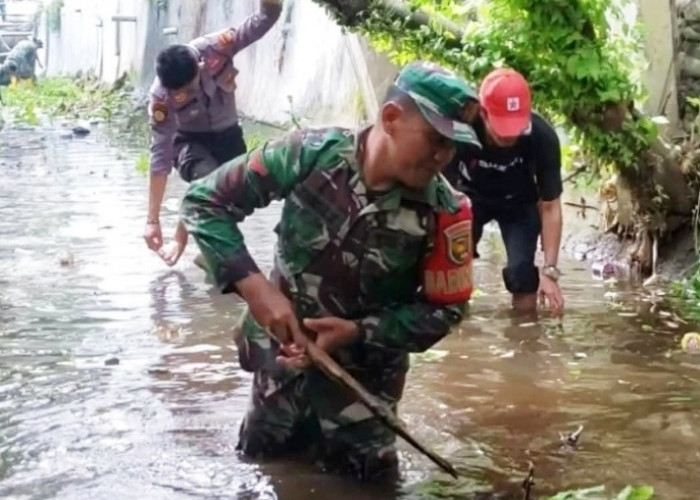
<point x="24" y="55"/>
<point x="3" y="14"/>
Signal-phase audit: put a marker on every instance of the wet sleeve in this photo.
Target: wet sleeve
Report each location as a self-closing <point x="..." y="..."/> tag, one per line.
<point x="162" y="123"/>
<point x="413" y="327"/>
<point x="215" y="205"/>
<point x="234" y="39"/>
<point x="546" y="153"/>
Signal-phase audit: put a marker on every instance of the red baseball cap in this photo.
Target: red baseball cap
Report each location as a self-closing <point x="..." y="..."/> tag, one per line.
<point x="505" y="95"/>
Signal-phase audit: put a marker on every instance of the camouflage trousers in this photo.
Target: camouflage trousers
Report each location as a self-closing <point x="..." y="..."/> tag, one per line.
<point x="308" y="411"/>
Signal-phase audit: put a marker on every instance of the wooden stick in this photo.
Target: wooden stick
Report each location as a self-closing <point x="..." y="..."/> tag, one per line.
<point x="579" y="170"/>
<point x="378" y="408"/>
<point x="529" y="482"/>
<point x="578" y="205"/>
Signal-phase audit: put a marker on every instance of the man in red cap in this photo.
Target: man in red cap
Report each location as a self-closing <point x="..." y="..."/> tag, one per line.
<point x="516" y="180"/>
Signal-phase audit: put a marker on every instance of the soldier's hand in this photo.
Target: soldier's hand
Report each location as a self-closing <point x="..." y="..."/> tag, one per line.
<point x="271" y="309"/>
<point x="332" y="333"/>
<point x="153" y="236"/>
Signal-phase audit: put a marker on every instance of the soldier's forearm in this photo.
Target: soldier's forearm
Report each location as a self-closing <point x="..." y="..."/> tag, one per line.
<point x="211" y="211"/>
<point x="413" y="327"/>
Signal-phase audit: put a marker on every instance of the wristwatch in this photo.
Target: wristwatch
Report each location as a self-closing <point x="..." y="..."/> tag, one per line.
<point x="552" y="272"/>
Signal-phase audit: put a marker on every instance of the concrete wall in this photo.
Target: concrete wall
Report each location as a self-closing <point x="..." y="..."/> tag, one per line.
<point x="660" y="76"/>
<point x="305" y="64"/>
<point x="89" y="39"/>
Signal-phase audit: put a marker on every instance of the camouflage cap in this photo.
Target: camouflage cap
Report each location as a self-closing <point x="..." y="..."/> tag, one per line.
<point x="441" y="97"/>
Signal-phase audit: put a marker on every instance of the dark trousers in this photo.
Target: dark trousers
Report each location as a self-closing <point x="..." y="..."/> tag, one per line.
<point x="520" y="227"/>
<point x="200" y="153"/>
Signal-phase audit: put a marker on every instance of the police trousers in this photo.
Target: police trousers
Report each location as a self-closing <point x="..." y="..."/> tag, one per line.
<point x="200" y="153"/>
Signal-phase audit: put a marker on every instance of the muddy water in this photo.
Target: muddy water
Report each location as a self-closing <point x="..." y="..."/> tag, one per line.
<point x="80" y="292"/>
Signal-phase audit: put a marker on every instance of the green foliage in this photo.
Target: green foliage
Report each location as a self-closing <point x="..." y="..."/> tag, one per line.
<point x="255" y="140"/>
<point x="687" y="294"/>
<point x="450" y="489"/>
<point x="65" y="97"/>
<point x="578" y="65"/>
<point x="598" y="493"/>
<point x="143" y="162"/>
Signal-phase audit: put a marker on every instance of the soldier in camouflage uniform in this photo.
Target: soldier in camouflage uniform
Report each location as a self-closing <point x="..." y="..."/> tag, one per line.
<point x="359" y="213"/>
<point x="192" y="114"/>
<point x="24" y="56"/>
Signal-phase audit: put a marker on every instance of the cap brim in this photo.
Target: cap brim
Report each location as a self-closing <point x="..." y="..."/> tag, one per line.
<point x="509" y="126"/>
<point x="452" y="129"/>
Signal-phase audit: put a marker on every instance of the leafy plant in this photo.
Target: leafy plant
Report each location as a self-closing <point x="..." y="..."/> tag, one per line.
<point x="142" y="162"/>
<point x="66" y="97"/>
<point x="598" y="493"/>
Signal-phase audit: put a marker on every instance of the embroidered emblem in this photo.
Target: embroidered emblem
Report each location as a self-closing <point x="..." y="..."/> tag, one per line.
<point x="459" y="241"/>
<point x="159" y="111"/>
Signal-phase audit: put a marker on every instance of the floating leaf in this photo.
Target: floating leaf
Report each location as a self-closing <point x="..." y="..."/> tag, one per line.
<point x="594" y="493"/>
<point x="638" y="493"/>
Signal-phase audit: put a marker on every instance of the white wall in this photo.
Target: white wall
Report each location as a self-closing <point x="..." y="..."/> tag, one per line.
<point x="319" y="67"/>
<point x="660" y="75"/>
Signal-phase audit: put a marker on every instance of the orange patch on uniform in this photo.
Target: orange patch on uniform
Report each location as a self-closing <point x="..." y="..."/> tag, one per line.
<point x="160" y="111"/>
<point x="256" y="164"/>
<point x="226" y="38"/>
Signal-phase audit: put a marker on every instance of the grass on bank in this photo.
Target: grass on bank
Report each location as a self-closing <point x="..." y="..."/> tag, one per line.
<point x="84" y="98"/>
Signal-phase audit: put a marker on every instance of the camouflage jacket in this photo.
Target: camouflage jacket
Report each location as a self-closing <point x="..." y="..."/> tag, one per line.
<point x="341" y="250"/>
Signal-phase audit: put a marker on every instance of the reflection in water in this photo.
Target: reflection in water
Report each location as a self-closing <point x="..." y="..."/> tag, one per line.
<point x="164" y="421"/>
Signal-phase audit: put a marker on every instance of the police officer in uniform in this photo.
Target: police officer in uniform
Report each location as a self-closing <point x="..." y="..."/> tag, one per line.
<point x="192" y="114"/>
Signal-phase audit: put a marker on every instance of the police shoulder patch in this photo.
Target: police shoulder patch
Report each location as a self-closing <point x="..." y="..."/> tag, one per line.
<point x="159" y="111"/>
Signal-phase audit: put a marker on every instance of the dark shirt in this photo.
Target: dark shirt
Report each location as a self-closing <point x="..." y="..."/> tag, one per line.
<point x="526" y="172"/>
